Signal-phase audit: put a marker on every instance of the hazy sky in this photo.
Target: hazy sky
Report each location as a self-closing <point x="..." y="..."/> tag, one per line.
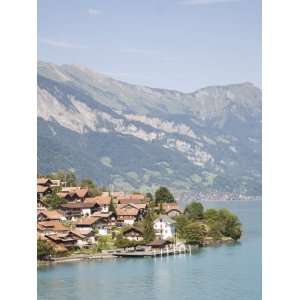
<point x="175" y="44"/>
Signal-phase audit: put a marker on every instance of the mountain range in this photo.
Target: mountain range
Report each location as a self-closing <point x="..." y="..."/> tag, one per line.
<point x="138" y="138"/>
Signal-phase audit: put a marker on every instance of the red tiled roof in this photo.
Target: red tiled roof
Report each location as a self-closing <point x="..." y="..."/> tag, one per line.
<point x="51" y="214"/>
<point x="81" y="193"/>
<point x="87" y="221"/>
<point x="101" y="200"/>
<point x="127" y="211"/>
<point x="52" y="224"/>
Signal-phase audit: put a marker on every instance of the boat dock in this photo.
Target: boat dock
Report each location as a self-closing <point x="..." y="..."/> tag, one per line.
<point x="152" y="253"/>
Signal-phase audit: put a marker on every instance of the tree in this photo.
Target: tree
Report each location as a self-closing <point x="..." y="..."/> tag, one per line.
<point x="194" y="211"/>
<point x="163" y="195"/>
<point x="68" y="177"/>
<point x="222" y="222"/>
<point x="103" y="243"/>
<point x="194" y="233"/>
<point x="211" y="215"/>
<point x="112" y="207"/>
<point x="231" y="225"/>
<point x="149" y="233"/>
<point x="53" y="201"/>
<point x="181" y="222"/>
<point x="122" y="243"/>
<point x="87" y="182"/>
<point x="44" y="249"/>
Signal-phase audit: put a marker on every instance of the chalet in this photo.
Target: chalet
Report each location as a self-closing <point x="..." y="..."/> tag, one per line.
<point x="78" y="209"/>
<point x="133" y="234"/>
<point x="42" y="191"/>
<point x="73" y="194"/>
<point x="92" y="223"/>
<point x="103" y="202"/>
<point x="89" y="235"/>
<point x="51" y="227"/>
<point x="107" y="217"/>
<point x="48" y="215"/>
<point x="70" y="239"/>
<point x="164" y="227"/>
<point x="58" y="247"/>
<point x="127" y="215"/>
<point x="172" y="209"/>
<point x="141" y="207"/>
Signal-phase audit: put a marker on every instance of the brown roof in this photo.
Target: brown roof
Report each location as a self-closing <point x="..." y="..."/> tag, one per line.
<point x="133" y="205"/>
<point x="99" y="214"/>
<point x="127" y="200"/>
<point x="42" y="188"/>
<point x="137" y="197"/>
<point x="51" y="214"/>
<point x="87" y="221"/>
<point x="69" y="189"/>
<point x="52" y="224"/>
<point x="43" y="181"/>
<point x="171" y="206"/>
<point x="117" y="194"/>
<point x="159" y="243"/>
<point x="81" y="193"/>
<point x="78" y="205"/>
<point x="133" y="229"/>
<point x="63" y="194"/>
<point x="83" y="231"/>
<point x="101" y="200"/>
<point x="127" y="211"/>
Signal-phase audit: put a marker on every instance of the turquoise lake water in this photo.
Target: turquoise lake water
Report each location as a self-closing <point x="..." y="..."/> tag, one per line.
<point x="228" y="272"/>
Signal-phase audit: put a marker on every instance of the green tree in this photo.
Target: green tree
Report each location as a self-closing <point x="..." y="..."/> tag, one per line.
<point x="88" y="183"/>
<point x="68" y="177"/>
<point x="211" y="215"/>
<point x="231" y="225"/>
<point x="44" y="249"/>
<point x="149" y="233"/>
<point x="194" y="211"/>
<point x="112" y="207"/>
<point x="53" y="201"/>
<point x="163" y="195"/>
<point x="194" y="233"/>
<point x="122" y="243"/>
<point x="103" y="243"/>
<point x="181" y="222"/>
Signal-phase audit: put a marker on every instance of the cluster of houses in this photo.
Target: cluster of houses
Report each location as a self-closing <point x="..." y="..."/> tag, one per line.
<point x="81" y="219"/>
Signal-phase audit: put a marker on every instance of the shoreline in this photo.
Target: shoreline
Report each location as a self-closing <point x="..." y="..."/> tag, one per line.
<point x="74" y="258"/>
<point x="101" y="256"/>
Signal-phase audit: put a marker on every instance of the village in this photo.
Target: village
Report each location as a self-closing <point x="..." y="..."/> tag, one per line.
<point x="75" y="220"/>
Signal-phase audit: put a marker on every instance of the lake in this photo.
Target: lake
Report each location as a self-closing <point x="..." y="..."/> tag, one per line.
<point x="227" y="272"/>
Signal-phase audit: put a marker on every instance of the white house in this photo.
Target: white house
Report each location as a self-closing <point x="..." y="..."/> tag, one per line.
<point x="164" y="227"/>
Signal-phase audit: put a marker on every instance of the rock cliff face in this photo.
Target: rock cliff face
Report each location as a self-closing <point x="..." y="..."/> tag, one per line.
<point x="138" y="137"/>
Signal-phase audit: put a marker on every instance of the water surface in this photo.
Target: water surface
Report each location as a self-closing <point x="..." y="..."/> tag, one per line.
<point x="228" y="272"/>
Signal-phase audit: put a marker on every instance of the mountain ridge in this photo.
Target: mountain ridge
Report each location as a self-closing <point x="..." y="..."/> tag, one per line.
<point x="214" y="131"/>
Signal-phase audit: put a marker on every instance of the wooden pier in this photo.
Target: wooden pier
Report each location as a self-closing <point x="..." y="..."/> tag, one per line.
<point x="151" y="253"/>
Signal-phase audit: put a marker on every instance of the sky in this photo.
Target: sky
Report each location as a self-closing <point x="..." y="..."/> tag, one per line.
<point x="175" y="44"/>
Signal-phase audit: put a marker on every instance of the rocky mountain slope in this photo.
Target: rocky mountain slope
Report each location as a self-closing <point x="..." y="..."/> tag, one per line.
<point x="137" y="137"/>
